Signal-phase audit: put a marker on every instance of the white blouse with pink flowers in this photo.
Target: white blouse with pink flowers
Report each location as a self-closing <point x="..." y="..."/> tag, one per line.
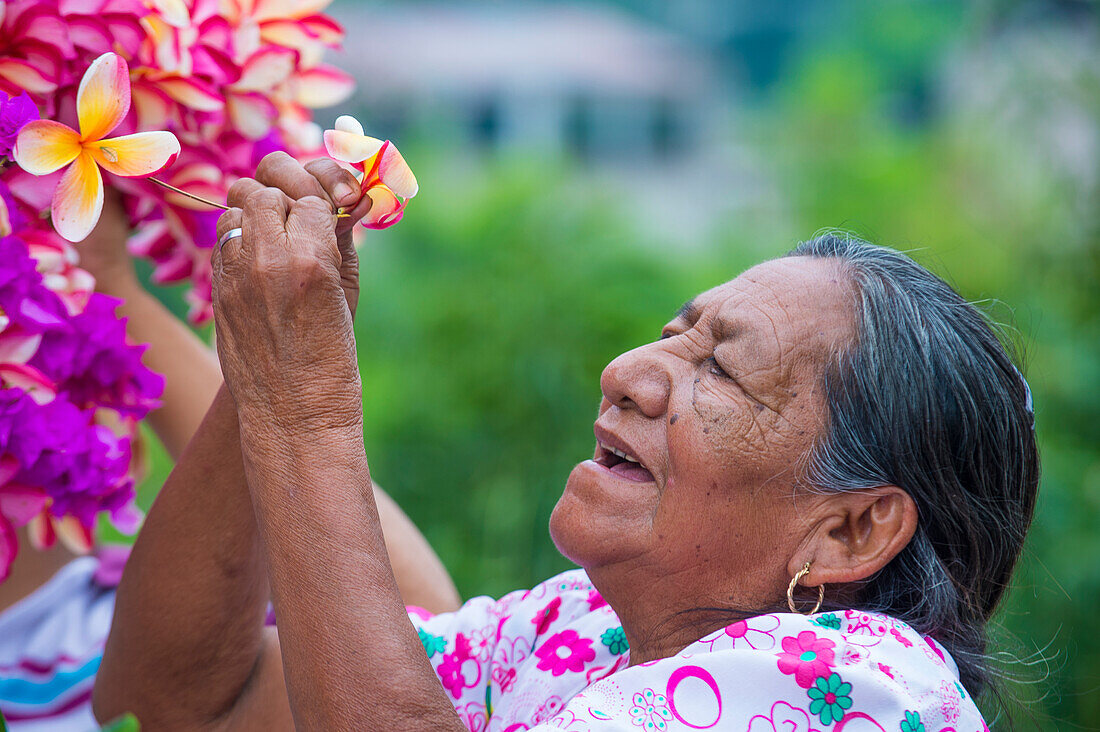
<point x="556" y="657"/>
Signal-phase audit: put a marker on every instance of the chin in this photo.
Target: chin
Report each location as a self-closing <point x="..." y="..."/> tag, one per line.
<point x="592" y="531"/>
<point x="563" y="529"/>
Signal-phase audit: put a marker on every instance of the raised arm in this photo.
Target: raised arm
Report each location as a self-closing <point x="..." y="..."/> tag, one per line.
<point x="188" y="634"/>
<point x="193" y="376"/>
<point x="352" y="659"/>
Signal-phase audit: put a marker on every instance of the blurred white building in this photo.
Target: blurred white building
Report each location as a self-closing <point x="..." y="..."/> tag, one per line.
<point x="581" y="78"/>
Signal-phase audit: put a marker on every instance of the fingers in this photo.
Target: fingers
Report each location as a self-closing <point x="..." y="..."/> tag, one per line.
<point x="228" y="221"/>
<point x="241" y="190"/>
<point x="309" y="230"/>
<point x="279" y="170"/>
<point x="264" y="218"/>
<point x="340" y="185"/>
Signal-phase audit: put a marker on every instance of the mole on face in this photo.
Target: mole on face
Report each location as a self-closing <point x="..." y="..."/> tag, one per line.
<point x="673" y="418"/>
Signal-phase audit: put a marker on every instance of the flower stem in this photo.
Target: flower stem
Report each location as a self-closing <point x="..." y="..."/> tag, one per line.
<point x="339" y="214"/>
<point x="192" y="196"/>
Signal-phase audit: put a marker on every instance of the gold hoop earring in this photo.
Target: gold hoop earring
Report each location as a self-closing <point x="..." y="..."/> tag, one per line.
<point x="794" y="583"/>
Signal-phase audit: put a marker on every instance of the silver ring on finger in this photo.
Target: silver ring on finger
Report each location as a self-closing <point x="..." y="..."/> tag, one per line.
<point x="231" y="234"/>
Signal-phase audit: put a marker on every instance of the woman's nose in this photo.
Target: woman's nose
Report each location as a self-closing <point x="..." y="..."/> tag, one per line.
<point x="638" y="379"/>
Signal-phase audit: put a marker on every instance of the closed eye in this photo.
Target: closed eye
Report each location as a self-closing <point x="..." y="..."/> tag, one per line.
<point x="716" y="369"/>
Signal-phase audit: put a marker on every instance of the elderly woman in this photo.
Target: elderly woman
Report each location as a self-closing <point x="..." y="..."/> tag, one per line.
<point x="806" y="500"/>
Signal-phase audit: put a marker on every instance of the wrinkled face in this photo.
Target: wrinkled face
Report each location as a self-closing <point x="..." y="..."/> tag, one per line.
<point x="713" y="420"/>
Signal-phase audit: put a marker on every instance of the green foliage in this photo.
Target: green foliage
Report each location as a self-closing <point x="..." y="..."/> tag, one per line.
<point x="125" y="723"/>
<point x="487" y="317"/>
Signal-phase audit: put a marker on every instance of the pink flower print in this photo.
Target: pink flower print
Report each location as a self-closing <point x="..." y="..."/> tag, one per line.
<point x="886" y="670"/>
<point x="462" y="648"/>
<point x="807" y="657"/>
<point x="572" y="585"/>
<point x="565" y="651"/>
<point x="756" y="635"/>
<point x="783" y="718"/>
<point x="950" y="703"/>
<point x="939" y="657"/>
<point x="474" y="716"/>
<point x="595" y="600"/>
<point x="866" y="629"/>
<point x="504" y="678"/>
<point x="547" y="615"/>
<point x="854" y="654"/>
<point x="482" y="642"/>
<point x="650" y="711"/>
<point x="901" y="638"/>
<point x="548" y="709"/>
<point x="450" y="674"/>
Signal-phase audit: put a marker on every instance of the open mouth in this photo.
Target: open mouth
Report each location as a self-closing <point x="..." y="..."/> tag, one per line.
<point x="622" y="464"/>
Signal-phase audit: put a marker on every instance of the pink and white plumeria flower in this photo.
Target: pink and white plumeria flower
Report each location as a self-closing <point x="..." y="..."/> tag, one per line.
<point x="386" y="177"/>
<point x="45" y="146"/>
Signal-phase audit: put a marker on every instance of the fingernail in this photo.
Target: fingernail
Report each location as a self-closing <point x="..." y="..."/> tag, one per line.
<point x="343" y="192"/>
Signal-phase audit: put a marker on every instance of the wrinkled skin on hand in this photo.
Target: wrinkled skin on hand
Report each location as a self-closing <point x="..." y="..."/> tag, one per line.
<point x="323" y="178"/>
<point x="284" y="295"/>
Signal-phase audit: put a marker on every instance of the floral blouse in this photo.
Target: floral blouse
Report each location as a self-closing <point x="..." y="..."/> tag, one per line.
<point x="555" y="657"/>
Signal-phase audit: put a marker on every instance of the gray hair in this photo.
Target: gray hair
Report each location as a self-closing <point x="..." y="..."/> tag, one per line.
<point x="927" y="398"/>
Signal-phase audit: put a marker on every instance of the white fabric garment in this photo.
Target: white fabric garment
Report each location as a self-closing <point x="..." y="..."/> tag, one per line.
<point x="51" y="644"/>
<point x="555" y="657"/>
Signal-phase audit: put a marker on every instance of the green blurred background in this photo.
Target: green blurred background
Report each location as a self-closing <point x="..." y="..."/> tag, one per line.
<point x="586" y="168"/>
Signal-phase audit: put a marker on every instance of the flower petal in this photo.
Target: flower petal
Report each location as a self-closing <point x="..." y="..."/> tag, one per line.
<point x="20" y="503"/>
<point x="75" y="536"/>
<point x="322" y="86"/>
<point x="396" y="173"/>
<point x="18" y="346"/>
<point x="26" y="77"/>
<point x="323" y="28"/>
<point x="350" y="147"/>
<point x="287" y="33"/>
<point x="347" y="123"/>
<point x="191" y="93"/>
<point x="36" y="384"/>
<point x="9" y="547"/>
<point x="40" y="531"/>
<point x="251" y="113"/>
<point x="386" y="209"/>
<point x="44" y="146"/>
<point x="78" y="200"/>
<point x="104" y="96"/>
<point x="138" y="155"/>
<point x="266" y="69"/>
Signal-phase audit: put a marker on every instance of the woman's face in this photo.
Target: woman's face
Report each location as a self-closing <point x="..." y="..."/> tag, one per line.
<point x="717" y="414"/>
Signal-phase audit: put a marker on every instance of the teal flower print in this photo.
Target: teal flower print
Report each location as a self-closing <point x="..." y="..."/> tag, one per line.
<point x="433" y="644"/>
<point x="912" y="723"/>
<point x="615" y="640"/>
<point x="828" y="620"/>
<point x="829" y="698"/>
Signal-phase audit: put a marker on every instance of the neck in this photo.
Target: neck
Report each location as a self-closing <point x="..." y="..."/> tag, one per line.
<point x="656" y="625"/>
<point x="31" y="569"/>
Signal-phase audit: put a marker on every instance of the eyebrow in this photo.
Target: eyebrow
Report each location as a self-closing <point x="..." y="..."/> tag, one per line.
<point x="688" y="312"/>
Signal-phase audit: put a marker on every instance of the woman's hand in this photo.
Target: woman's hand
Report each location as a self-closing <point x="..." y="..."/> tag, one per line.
<point x="282" y="293"/>
<point x="325" y="179"/>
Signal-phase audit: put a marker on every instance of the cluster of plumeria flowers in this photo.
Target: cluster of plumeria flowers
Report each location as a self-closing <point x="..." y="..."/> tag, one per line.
<point x="194" y="92"/>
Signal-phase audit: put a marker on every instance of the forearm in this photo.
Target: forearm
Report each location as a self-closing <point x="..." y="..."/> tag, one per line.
<point x="189" y="614"/>
<point x="347" y="642"/>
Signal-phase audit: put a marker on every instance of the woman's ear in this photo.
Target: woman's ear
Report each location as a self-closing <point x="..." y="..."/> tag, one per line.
<point x="857" y="534"/>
